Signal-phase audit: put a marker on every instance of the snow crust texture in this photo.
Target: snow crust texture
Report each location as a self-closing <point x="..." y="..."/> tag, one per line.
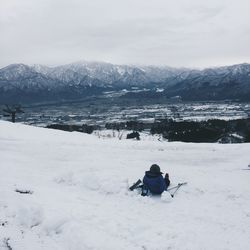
<point x="69" y="191"/>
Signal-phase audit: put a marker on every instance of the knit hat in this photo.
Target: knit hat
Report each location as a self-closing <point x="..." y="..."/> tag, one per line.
<point x="155" y="169"/>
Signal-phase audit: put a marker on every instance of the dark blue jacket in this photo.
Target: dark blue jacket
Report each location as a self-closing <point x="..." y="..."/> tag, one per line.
<point x="154" y="182"/>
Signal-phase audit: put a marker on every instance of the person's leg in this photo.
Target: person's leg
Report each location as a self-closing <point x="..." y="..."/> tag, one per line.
<point x="144" y="191"/>
<point x="135" y="185"/>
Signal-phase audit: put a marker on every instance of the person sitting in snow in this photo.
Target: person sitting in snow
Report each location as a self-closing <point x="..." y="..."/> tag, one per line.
<point x="154" y="182"/>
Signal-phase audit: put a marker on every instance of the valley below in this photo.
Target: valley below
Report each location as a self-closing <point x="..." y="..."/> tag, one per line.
<point x="102" y="110"/>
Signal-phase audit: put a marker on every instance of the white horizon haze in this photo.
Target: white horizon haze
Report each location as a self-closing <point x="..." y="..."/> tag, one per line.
<point x="136" y="32"/>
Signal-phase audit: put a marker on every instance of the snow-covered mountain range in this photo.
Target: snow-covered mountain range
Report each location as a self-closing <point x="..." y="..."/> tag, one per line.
<point x="107" y="73"/>
<point x="232" y="82"/>
<point x="23" y="83"/>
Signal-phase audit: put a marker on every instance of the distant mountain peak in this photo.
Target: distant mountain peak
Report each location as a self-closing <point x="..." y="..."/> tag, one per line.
<point x="76" y="79"/>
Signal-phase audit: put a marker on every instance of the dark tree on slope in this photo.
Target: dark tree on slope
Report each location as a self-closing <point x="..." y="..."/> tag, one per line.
<point x="133" y="135"/>
<point x="12" y="111"/>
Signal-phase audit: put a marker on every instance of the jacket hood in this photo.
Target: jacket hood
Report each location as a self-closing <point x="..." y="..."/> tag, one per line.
<point x="149" y="174"/>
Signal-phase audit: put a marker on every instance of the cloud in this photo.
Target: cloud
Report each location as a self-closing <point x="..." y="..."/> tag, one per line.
<point x="175" y="33"/>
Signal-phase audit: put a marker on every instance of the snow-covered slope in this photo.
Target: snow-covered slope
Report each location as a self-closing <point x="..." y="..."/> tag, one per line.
<point x="80" y="198"/>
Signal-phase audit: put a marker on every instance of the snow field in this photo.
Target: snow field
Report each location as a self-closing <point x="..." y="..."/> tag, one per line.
<point x="80" y="196"/>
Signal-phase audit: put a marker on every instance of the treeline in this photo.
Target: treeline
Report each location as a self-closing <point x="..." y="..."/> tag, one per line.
<point x="70" y="128"/>
<point x="129" y="125"/>
<point x="232" y="131"/>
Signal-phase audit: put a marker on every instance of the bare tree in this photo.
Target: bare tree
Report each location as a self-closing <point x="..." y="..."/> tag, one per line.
<point x="174" y="112"/>
<point x="12" y="111"/>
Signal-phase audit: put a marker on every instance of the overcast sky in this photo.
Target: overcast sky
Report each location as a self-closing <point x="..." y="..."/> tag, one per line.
<point x="190" y="33"/>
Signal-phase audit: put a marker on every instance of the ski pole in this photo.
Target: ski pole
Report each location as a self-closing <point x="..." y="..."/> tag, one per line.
<point x="179" y="184"/>
<point x="177" y="187"/>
